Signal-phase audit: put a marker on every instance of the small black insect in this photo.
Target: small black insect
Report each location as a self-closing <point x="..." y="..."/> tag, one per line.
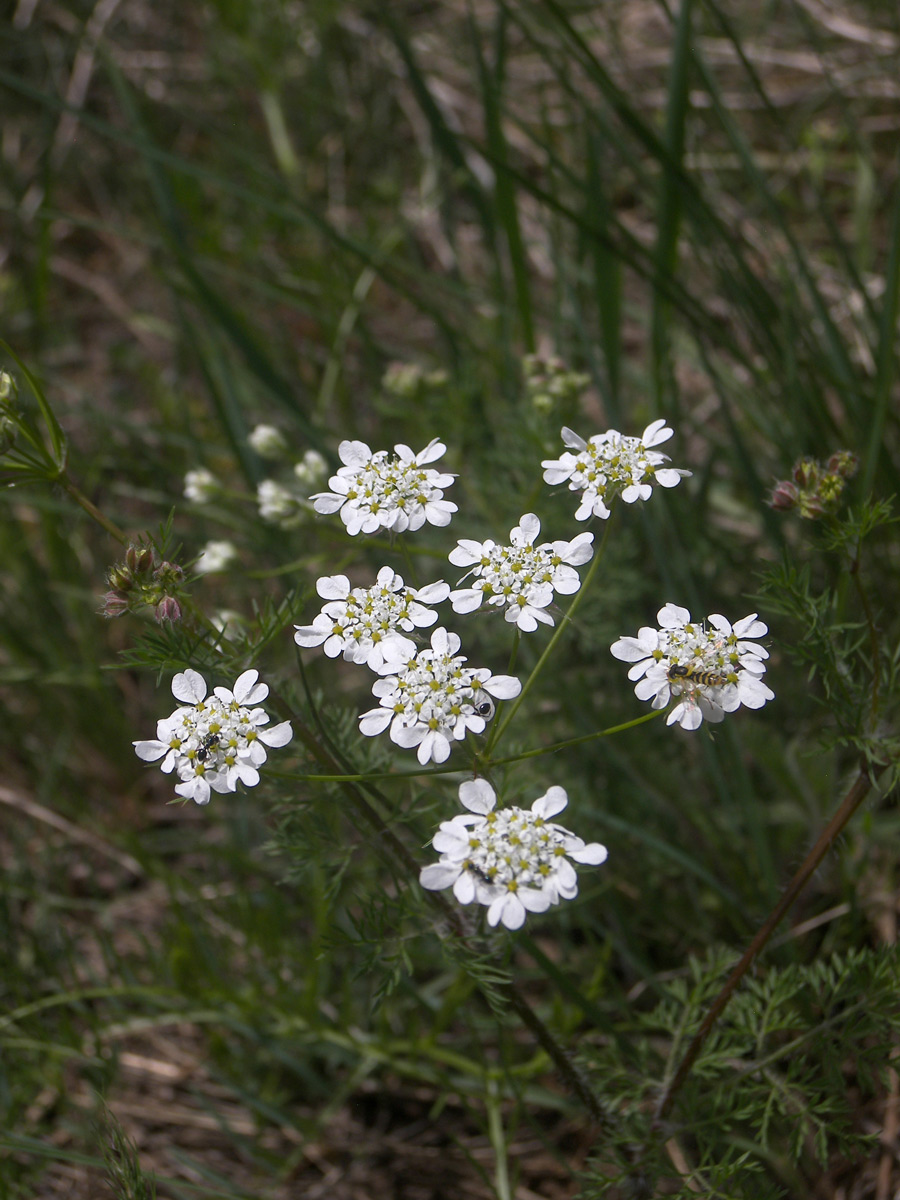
<point x="483" y="705"/>
<point x="208" y="744"/>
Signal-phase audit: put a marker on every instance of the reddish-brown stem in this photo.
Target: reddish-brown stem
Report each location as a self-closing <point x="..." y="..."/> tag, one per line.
<point x="849" y="805"/>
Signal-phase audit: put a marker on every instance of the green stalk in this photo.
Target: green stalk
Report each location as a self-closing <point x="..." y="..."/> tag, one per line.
<point x="551" y="645"/>
<point x="851" y="802"/>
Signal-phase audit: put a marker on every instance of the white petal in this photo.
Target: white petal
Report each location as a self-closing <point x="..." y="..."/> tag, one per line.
<point x="354" y="454"/>
<point x="477" y="796"/>
<point x="572" y="440"/>
<point x="247" y="690"/>
<point x="375" y="721"/>
<point x="502" y="687"/>
<point x="150" y="751"/>
<point x="438" y="875"/>
<point x="326" y="502"/>
<point x="553" y="801"/>
<point x="508" y="909"/>
<point x="466" y="600"/>
<point x="434" y="450"/>
<point x="526" y="531"/>
<point x="277" y="735"/>
<point x="656" y="433"/>
<point x="196" y="789"/>
<point x="593" y="854"/>
<point x="432" y="593"/>
<point x="333" y="587"/>
<point x="464" y="888"/>
<point x="189" y="687"/>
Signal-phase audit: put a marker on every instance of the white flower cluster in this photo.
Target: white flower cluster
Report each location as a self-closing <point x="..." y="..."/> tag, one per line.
<point x="520" y="577"/>
<point x="710" y="668"/>
<point x="373" y="491"/>
<point x="201" y="486"/>
<point x="213" y="742"/>
<point x="611" y="464"/>
<point x="364" y="623"/>
<point x="513" y="861"/>
<point x="216" y="557"/>
<point x="431" y="698"/>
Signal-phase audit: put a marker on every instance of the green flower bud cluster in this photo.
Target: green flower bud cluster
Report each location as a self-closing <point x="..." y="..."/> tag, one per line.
<point x="815" y="488"/>
<point x="143" y="580"/>
<point x="549" y="384"/>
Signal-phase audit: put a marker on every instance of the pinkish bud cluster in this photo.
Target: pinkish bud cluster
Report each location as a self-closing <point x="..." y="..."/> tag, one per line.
<point x="815" y="488"/>
<point x="142" y="580"/>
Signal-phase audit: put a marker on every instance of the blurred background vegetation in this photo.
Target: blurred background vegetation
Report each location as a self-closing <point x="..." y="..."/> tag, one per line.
<point x="229" y="212"/>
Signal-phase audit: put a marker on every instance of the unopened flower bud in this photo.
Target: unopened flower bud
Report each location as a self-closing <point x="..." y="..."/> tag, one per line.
<point x="114" y="605"/>
<point x="806" y="472"/>
<point x="168" y="574"/>
<point x="845" y="463"/>
<point x="139" y="560"/>
<point x="7" y="387"/>
<point x="811" y="506"/>
<point x="268" y="442"/>
<point x="784" y="495"/>
<point x="120" y="578"/>
<point x="168" y="609"/>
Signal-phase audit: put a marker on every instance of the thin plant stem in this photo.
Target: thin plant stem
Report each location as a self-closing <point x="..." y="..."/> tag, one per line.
<point x="579" y="741"/>
<point x="851" y="802"/>
<point x="396" y="852"/>
<point x="91" y="509"/>
<point x="498" y="1140"/>
<point x="551" y="645"/>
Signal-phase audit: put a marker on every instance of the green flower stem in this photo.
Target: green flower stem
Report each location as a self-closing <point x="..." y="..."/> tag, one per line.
<point x="413" y="574"/>
<point x="514" y="653"/>
<point x="396" y="852"/>
<point x="848" y="807"/>
<point x="551" y="645"/>
<point x="91" y="509"/>
<point x="497" y="1135"/>
<point x="579" y="741"/>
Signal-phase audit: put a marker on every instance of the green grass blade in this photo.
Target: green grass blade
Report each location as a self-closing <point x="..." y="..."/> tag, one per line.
<point x="669" y="209"/>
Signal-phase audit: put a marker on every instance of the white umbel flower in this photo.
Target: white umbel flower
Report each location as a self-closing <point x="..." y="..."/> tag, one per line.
<point x="709" y="668"/>
<point x="520" y="577"/>
<point x="611" y="464"/>
<point x="513" y="861"/>
<point x="216" y="557"/>
<point x="362" y="623"/>
<point x="268" y="442"/>
<point x="373" y="491"/>
<point x="201" y="486"/>
<point x="212" y="742"/>
<point x="432" y="699"/>
<point x="280" y="505"/>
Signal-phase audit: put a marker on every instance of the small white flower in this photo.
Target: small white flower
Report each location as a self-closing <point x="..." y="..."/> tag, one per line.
<point x="512" y="861"/>
<point x="200" y="485"/>
<point x="521" y="577"/>
<point x="372" y="491"/>
<point x="710" y="668"/>
<point x="362" y="623"/>
<point x="311" y="469"/>
<point x="268" y="442"/>
<point x="431" y="698"/>
<point x="279" y="505"/>
<point x="215" y="557"/>
<point x="611" y="465"/>
<point x="212" y="742"/>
